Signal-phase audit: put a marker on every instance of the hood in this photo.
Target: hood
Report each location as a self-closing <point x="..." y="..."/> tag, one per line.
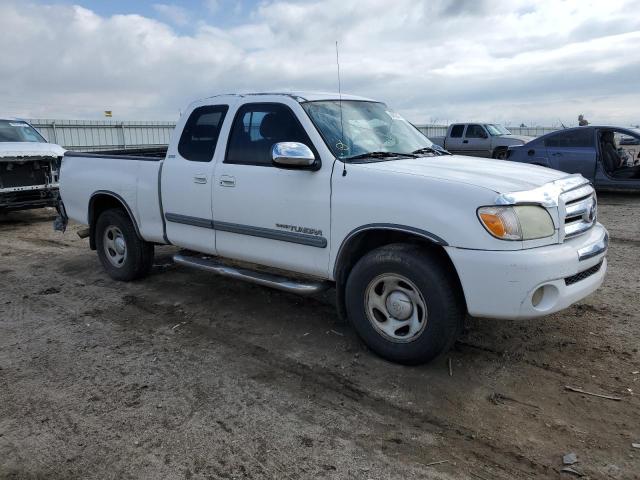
<point x="501" y="176"/>
<point x="521" y="138"/>
<point x="30" y="149"/>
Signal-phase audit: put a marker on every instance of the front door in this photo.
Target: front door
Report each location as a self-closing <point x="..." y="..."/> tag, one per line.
<point x="622" y="171"/>
<point x="187" y="180"/>
<point x="265" y="214"/>
<point x="476" y="141"/>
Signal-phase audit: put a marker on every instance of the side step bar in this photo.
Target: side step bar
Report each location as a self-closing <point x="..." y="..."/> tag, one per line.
<point x="300" y="287"/>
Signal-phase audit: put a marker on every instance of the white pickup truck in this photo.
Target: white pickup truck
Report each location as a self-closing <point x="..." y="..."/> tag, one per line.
<point x="479" y="140"/>
<point x="307" y="191"/>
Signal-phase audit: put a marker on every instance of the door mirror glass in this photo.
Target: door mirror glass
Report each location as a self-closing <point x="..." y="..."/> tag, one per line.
<point x="292" y="155"/>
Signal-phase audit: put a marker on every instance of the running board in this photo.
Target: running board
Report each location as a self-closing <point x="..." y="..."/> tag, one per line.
<point x="279" y="282"/>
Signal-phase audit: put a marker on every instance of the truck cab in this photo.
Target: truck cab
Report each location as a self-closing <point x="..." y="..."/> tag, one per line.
<point x="488" y="140"/>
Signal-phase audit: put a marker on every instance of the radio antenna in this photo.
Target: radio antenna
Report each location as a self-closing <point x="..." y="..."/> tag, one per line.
<point x="344" y="163"/>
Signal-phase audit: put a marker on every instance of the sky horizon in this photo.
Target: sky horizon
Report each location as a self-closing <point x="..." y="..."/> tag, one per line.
<point x="539" y="62"/>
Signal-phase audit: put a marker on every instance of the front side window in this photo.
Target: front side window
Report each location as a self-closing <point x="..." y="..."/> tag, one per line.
<point x="352" y="128"/>
<point x="579" y="138"/>
<point x="475" y="131"/>
<point x="257" y="128"/>
<point x="17" y="131"/>
<point x="623" y="147"/>
<point x="200" y="134"/>
<point x="456" y="131"/>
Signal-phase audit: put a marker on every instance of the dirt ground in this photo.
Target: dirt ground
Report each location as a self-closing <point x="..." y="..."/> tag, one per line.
<point x="190" y="375"/>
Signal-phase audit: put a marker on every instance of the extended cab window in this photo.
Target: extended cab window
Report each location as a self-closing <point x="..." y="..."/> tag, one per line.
<point x="200" y="135"/>
<point x="475" y="131"/>
<point x="257" y="128"/>
<point x="456" y="131"/>
<point x="571" y="139"/>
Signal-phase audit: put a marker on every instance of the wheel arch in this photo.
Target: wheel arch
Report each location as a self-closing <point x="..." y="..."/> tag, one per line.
<point x="362" y="240"/>
<point x="100" y="201"/>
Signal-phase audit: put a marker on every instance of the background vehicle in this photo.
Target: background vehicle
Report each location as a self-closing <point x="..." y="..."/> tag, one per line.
<point x="28" y="167"/>
<point x="324" y="192"/>
<point x="479" y="140"/>
<point x="608" y="156"/>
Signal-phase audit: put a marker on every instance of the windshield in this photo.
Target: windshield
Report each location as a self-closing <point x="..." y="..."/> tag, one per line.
<point x="496" y="130"/>
<point x="364" y="127"/>
<point x="16" y="131"/>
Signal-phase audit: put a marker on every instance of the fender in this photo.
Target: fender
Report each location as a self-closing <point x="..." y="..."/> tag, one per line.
<point x="120" y="200"/>
<point x="433" y="238"/>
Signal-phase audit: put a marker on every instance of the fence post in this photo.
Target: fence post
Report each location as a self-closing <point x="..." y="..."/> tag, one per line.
<point x="55" y="133"/>
<point x="124" y="139"/>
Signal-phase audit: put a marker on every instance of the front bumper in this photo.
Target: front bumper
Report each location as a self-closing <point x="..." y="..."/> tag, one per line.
<point x="501" y="284"/>
<point x="26" y="198"/>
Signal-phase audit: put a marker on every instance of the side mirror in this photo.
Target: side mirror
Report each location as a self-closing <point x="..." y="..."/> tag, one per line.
<point x="484" y="134"/>
<point x="292" y="155"/>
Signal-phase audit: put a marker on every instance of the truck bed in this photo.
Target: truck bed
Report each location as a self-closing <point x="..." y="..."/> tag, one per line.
<point x="134" y="180"/>
<point x="438" y="140"/>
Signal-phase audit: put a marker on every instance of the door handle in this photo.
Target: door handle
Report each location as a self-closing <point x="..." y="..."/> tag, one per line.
<point x="227" y="181"/>
<point x="199" y="178"/>
<point x="465" y="141"/>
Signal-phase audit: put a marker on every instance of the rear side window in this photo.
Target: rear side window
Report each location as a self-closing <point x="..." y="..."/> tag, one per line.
<point x="572" y="139"/>
<point x="456" y="131"/>
<point x="259" y="126"/>
<point x="201" y="132"/>
<point x="475" y="131"/>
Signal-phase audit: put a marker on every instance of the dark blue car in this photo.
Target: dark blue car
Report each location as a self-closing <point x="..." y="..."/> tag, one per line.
<point x="608" y="156"/>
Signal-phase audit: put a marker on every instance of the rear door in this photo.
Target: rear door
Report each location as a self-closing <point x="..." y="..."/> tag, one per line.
<point x="573" y="151"/>
<point x="453" y="141"/>
<point x="476" y="141"/>
<point x="187" y="179"/>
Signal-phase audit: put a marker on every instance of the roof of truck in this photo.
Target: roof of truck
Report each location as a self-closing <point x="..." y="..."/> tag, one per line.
<point x="301" y="96"/>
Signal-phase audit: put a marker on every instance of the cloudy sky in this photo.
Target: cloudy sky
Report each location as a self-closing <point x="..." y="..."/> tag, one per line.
<point x="512" y="61"/>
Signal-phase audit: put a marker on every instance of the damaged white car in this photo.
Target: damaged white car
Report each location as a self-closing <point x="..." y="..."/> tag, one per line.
<point x="29" y="167"/>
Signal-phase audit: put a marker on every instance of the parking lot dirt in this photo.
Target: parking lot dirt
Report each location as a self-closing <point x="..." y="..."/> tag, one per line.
<point x="189" y="375"/>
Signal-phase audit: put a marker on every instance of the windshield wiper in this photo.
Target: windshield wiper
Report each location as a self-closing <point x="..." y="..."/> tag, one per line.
<point x="380" y="155"/>
<point x="431" y="150"/>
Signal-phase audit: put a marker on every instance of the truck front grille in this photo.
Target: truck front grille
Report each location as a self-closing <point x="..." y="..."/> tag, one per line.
<point x="582" y="275"/>
<point x="580" y="210"/>
<point x="24" y="173"/>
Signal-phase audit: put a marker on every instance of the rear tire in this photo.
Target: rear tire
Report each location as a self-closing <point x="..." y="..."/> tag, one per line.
<point x="122" y="253"/>
<point x="405" y="303"/>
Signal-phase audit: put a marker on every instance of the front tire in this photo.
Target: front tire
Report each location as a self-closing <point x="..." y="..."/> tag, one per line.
<point x="405" y="303"/>
<point x="500" y="153"/>
<point x="122" y="253"/>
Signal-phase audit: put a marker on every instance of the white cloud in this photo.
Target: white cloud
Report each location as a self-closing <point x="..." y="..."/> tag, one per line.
<point x="519" y="61"/>
<point x="172" y="13"/>
<point x="212" y="5"/>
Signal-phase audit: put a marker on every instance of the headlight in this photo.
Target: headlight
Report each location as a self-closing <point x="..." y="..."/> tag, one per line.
<point x="525" y="222"/>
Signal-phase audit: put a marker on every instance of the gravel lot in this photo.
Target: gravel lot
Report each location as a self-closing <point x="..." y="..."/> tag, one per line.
<point x="189" y="375"/>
